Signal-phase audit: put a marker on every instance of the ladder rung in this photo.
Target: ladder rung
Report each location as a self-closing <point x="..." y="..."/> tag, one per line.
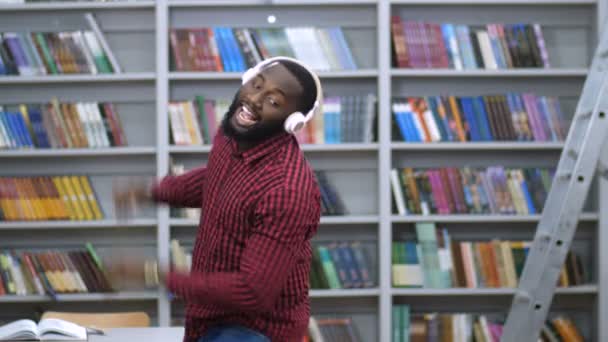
<point x="563" y="175"/>
<point x="584" y="116"/>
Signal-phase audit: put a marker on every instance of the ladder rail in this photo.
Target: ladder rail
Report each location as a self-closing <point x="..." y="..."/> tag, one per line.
<point x="563" y="206"/>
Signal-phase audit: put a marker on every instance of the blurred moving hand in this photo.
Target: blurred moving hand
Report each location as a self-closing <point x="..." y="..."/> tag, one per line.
<point x="131" y="194"/>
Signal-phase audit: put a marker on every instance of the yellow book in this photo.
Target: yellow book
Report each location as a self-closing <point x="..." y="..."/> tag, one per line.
<point x="24" y="200"/>
<point x="86" y="186"/>
<point x="55" y="198"/>
<point x="82" y="200"/>
<point x="6" y="203"/>
<point x="65" y="198"/>
<point x="46" y="200"/>
<point x="73" y="196"/>
<point x="190" y="125"/>
<point x="37" y="205"/>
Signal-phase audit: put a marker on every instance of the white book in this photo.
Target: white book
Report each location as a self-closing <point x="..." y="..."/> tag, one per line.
<point x="85" y="120"/>
<point x="102" y="41"/>
<point x="398" y="192"/>
<point x="327" y="49"/>
<point x="486" y="50"/>
<point x="49" y="329"/>
<point x="98" y="125"/>
<point x="320" y="62"/>
<point x="432" y="125"/>
<point x="86" y="51"/>
<point x="176" y="124"/>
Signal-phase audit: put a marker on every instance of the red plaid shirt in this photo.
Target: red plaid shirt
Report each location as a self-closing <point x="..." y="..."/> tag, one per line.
<point x="252" y="254"/>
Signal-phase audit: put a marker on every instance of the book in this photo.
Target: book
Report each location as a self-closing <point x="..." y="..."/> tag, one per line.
<point x="50" y="329"/>
<point x="420" y="44"/>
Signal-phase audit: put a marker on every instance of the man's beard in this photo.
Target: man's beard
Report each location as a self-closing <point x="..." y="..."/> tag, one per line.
<point x="261" y="131"/>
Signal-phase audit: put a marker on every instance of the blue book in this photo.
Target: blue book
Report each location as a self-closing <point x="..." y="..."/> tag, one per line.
<point x="445" y="34"/>
<point x="348" y="257"/>
<point x="3" y="68"/>
<point x="38" y="127"/>
<point x="352" y="64"/>
<point x="220" y="42"/>
<point x="14" y="129"/>
<point x="409" y="116"/>
<point x="6" y="130"/>
<point x="432" y="102"/>
<point x="25" y="132"/>
<point x="399" y="119"/>
<point x="482" y="116"/>
<point x="239" y="60"/>
<point x="527" y="196"/>
<point x="469" y="114"/>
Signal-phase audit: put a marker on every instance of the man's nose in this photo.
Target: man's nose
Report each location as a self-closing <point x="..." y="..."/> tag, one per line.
<point x="256" y="99"/>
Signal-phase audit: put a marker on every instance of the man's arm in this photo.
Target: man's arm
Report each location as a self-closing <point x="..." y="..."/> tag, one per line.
<point x="283" y="220"/>
<point x="185" y="190"/>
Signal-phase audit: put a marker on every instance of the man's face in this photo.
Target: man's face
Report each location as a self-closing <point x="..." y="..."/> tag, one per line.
<point x="261" y="105"/>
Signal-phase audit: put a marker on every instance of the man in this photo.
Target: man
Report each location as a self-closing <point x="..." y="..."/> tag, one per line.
<point x="260" y="208"/>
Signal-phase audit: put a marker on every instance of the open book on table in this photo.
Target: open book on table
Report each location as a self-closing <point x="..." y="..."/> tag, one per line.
<point x="50" y="329"/>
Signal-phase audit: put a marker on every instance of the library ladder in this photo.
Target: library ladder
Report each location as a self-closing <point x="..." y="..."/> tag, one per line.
<point x="555" y="231"/>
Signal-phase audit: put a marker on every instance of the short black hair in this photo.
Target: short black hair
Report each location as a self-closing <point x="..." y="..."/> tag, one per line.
<point x="309" y="88"/>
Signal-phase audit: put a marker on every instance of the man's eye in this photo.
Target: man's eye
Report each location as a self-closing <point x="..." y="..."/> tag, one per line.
<point x="273" y="102"/>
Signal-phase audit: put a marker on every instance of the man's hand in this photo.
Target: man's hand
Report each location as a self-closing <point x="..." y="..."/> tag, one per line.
<point x="130" y="195"/>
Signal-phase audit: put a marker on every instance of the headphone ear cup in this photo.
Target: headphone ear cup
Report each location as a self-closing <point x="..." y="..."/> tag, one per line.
<point x="248" y="75"/>
<point x="294" y="122"/>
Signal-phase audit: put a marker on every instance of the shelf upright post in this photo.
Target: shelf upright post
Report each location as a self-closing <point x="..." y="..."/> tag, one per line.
<point x="384" y="165"/>
<point x="162" y="144"/>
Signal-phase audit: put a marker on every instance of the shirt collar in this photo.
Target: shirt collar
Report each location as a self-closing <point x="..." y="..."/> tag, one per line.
<point x="262" y="149"/>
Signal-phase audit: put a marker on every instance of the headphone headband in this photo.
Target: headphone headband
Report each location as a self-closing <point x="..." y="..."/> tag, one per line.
<point x="317" y="106"/>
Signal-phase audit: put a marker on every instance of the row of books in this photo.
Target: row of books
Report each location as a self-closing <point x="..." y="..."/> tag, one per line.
<point x="52" y="53"/>
<point x="331" y="329"/>
<point x="196" y="122"/>
<point x="52" y="272"/>
<point x="341" y="265"/>
<point x="464" y="327"/>
<point x="61" y="125"/>
<point x="434" y="260"/>
<point x="345" y="119"/>
<point x="48" y="198"/>
<point x="493" y="190"/>
<point x="237" y="49"/>
<point x="331" y="202"/>
<point x="513" y="117"/>
<point x="420" y="44"/>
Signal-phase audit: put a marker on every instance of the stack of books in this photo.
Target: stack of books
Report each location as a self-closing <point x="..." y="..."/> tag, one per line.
<point x="61" y="125"/>
<point x="449" y="190"/>
<point x="434" y="260"/>
<point x="341" y="265"/>
<point x="52" y="272"/>
<point x="52" y="53"/>
<point x="418" y="44"/>
<point x="461" y="327"/>
<point x="48" y="198"/>
<point x="237" y="49"/>
<point x="510" y="117"/>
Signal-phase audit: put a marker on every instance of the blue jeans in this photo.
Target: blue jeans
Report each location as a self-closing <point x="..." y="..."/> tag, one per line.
<point x="232" y="333"/>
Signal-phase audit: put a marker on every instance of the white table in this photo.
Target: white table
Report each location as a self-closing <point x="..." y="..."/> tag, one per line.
<point x="173" y="334"/>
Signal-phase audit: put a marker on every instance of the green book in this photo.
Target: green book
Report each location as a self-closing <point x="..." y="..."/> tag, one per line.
<point x="46" y="53"/>
<point x="200" y="101"/>
<point x="94" y="255"/>
<point x="427" y="239"/>
<point x="329" y="268"/>
<point x="397" y="319"/>
<point x="405" y="323"/>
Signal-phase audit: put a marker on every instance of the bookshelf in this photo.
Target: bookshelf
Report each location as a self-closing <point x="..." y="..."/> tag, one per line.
<point x="138" y="34"/>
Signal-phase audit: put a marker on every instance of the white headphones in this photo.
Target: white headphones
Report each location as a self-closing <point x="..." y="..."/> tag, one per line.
<point x="295" y="121"/>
